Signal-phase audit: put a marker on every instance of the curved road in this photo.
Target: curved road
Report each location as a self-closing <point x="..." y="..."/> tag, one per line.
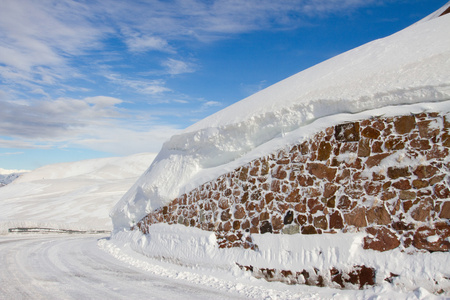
<point x="50" y="266"/>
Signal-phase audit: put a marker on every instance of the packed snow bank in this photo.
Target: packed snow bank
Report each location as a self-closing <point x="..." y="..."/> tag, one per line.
<point x="198" y="252"/>
<point x="409" y="67"/>
<point x="76" y="196"/>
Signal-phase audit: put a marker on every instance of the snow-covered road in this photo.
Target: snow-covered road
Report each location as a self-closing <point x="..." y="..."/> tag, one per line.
<point x="51" y="266"/>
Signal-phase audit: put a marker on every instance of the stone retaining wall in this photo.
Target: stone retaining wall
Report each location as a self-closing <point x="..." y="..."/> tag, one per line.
<point x="387" y="176"/>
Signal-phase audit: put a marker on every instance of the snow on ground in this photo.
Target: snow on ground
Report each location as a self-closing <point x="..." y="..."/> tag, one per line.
<point x="179" y="252"/>
<point x="77" y="195"/>
<point x="386" y="76"/>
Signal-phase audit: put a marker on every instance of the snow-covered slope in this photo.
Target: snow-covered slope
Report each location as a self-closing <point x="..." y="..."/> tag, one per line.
<point x="76" y="195"/>
<point x="385" y="76"/>
<point x="8" y="176"/>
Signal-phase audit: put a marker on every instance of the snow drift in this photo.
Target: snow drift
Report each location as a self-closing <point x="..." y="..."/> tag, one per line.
<point x="411" y="66"/>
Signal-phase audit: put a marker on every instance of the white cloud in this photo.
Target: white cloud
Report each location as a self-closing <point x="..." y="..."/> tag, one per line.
<point x="142" y="43"/>
<point x="94" y="122"/>
<point x="37" y="38"/>
<point x="175" y="67"/>
<point x="150" y="87"/>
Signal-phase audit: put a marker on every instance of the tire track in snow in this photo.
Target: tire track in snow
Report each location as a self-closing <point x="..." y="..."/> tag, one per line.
<point x="73" y="267"/>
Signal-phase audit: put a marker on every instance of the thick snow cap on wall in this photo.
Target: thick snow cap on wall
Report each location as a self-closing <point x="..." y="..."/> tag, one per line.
<point x="411" y="66"/>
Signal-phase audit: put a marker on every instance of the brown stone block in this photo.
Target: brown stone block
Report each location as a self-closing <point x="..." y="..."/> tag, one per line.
<point x="243" y="174"/>
<point x="433" y="239"/>
<point x="344" y="203"/>
<point x="428" y="129"/>
<point x="294" y="196"/>
<point x="324" y="151"/>
<point x="301" y="207"/>
<point x="225" y="215"/>
<point x="357" y="217"/>
<point x="269" y="197"/>
<point x="377" y="147"/>
<point x="437" y="152"/>
<point x="331" y="202"/>
<point x="372" y="188"/>
<point x="309" y="229"/>
<point x="315" y="205"/>
<point x="277" y="222"/>
<point x="445" y="210"/>
<point x="402" y="226"/>
<point x="422" y="211"/>
<point x="304" y="180"/>
<point x="239" y="212"/>
<point x="321" y="222"/>
<point x="275" y="186"/>
<point x="445" y="139"/>
<point x="378" y="215"/>
<point x="441" y="191"/>
<point x="224" y="203"/>
<point x="314" y="192"/>
<point x="394" y="143"/>
<point x="420" y="144"/>
<point x="425" y="171"/>
<point x="301" y="219"/>
<point x="245" y="225"/>
<point x="354" y="190"/>
<point x="407" y="195"/>
<point x="330" y="189"/>
<point x="321" y="171"/>
<point x="348" y="132"/>
<point x="364" y="148"/>
<point x="380" y="239"/>
<point x="394" y="172"/>
<point x="375" y="160"/>
<point x="407" y="205"/>
<point x="378" y="124"/>
<point x="279" y="172"/>
<point x="404" y="124"/>
<point x="402" y="184"/>
<point x="265" y="227"/>
<point x="264" y="216"/>
<point x="419" y="184"/>
<point x="370" y="132"/>
<point x="343" y="176"/>
<point x="349" y="147"/>
<point x="265" y="168"/>
<point x="336" y="221"/>
<point x="378" y="177"/>
<point x="436" y="179"/>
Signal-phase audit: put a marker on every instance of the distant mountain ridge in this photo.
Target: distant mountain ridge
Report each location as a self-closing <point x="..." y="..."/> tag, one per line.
<point x="8" y="176"/>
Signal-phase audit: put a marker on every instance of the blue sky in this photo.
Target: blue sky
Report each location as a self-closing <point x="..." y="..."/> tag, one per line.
<point x="87" y="79"/>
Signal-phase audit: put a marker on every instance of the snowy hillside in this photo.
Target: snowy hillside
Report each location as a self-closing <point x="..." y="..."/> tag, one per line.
<point x="76" y="195"/>
<point x="8" y="176"/>
<point x="406" y="72"/>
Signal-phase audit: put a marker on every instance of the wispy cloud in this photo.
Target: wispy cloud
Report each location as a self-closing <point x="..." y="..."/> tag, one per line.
<point x="10" y="153"/>
<point x="150" y="87"/>
<point x="94" y="122"/>
<point x="175" y="67"/>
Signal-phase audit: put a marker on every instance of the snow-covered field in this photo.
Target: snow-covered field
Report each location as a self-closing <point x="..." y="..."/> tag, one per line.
<point x="77" y="196"/>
